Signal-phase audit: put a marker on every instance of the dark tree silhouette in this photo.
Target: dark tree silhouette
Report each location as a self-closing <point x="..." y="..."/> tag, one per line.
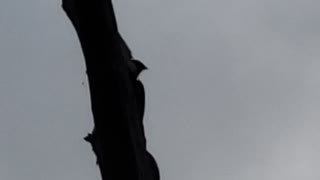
<point x="117" y="95"/>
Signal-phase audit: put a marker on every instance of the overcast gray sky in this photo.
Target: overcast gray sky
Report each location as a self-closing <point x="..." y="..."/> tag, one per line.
<point x="233" y="90"/>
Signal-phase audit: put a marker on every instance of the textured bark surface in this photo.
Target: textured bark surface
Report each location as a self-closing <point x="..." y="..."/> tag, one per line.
<point x="117" y="96"/>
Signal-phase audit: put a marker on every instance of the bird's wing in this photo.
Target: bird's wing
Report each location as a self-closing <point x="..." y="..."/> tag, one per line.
<point x="140" y="98"/>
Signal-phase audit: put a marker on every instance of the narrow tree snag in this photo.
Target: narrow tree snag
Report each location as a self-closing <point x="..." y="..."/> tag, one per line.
<point x="117" y="96"/>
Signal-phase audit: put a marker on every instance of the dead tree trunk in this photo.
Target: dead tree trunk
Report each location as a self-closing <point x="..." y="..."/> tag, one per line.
<point x="116" y="101"/>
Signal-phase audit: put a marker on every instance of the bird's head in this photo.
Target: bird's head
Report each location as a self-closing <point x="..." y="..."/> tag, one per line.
<point x="137" y="67"/>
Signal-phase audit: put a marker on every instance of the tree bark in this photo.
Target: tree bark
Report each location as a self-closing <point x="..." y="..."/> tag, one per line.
<point x="117" y="122"/>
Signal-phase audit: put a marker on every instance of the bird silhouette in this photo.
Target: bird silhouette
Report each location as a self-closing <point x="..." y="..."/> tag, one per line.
<point x="136" y="67"/>
<point x="140" y="100"/>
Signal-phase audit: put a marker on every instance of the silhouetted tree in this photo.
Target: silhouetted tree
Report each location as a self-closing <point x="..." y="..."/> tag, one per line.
<point x="117" y="95"/>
